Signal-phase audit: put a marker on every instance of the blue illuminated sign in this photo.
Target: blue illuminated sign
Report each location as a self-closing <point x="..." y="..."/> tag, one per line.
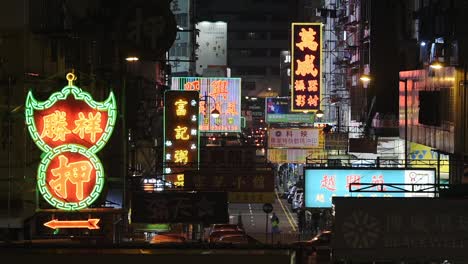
<point x="322" y="184"/>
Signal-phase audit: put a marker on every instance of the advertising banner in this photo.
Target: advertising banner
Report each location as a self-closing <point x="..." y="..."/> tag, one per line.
<point x="181" y="135"/>
<point x="180" y="207"/>
<point x="278" y="110"/>
<point x="233" y="180"/>
<point x="295" y="155"/>
<point x="212" y="39"/>
<point x="220" y="94"/>
<point x="306" y="70"/>
<point x="295" y="138"/>
<point x="400" y="230"/>
<point x="322" y="184"/>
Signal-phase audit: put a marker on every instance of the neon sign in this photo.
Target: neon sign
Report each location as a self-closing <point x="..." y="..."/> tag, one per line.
<point x="70" y="128"/>
<point x="181" y="134"/>
<point x="306" y="70"/>
<point x="91" y="223"/>
<point x="223" y="94"/>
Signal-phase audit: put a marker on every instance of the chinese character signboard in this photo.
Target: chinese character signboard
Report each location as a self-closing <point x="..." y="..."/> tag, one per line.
<point x="322" y="184"/>
<point x="222" y="94"/>
<point x="181" y="135"/>
<point x="400" y="229"/>
<point x="278" y="110"/>
<point x="295" y="138"/>
<point x="306" y="71"/>
<point x="70" y="128"/>
<point x="180" y="207"/>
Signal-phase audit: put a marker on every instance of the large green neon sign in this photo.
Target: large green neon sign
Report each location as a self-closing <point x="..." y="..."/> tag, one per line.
<point x="70" y="127"/>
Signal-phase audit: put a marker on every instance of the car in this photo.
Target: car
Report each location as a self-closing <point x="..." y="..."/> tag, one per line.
<point x="216" y="227"/>
<point x="165" y="238"/>
<point x="319" y="242"/>
<point x="240" y="239"/>
<point x="215" y="235"/>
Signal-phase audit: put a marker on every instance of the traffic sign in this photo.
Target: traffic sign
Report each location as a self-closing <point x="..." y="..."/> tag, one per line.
<point x="267" y="208"/>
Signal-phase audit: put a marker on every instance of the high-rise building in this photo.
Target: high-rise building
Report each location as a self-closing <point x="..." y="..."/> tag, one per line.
<point x="258" y="31"/>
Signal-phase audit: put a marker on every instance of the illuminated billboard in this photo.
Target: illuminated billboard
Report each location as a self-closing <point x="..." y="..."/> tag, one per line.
<point x="70" y="128"/>
<point x="278" y="110"/>
<point x="306" y="70"/>
<point x="181" y="135"/>
<point x="322" y="184"/>
<point x="221" y="94"/>
<point x="295" y="138"/>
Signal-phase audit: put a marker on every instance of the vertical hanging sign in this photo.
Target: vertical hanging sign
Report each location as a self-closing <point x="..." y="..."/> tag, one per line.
<point x="306" y="70"/>
<point x="70" y="128"/>
<point x="181" y="134"/>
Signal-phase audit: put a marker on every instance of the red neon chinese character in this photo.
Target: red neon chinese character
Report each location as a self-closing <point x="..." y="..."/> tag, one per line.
<point x="55" y="126"/>
<point x="328" y="182"/>
<point x="299" y="85"/>
<point x="90" y="125"/>
<point x="192" y="86"/>
<point x="307" y="39"/>
<point x="312" y="100"/>
<point x="300" y="100"/>
<point x="219" y="88"/>
<point x="76" y="172"/>
<point x="313" y="86"/>
<point x="306" y="66"/>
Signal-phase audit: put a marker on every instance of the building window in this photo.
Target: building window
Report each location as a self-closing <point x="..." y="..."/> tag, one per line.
<point x="179" y="49"/>
<point x="182" y="20"/>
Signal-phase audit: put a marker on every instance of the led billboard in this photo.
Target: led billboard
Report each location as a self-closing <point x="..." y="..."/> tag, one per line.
<point x="306" y="70"/>
<point x="221" y="94"/>
<point x="181" y="135"/>
<point x="278" y="110"/>
<point x="322" y="184"/>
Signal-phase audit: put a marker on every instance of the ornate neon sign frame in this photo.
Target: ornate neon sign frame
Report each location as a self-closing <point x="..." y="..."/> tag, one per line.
<point x="109" y="106"/>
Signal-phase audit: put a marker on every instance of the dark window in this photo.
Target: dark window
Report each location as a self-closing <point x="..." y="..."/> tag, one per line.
<point x="278" y="35"/>
<point x="182" y="20"/>
<point x="429" y="108"/>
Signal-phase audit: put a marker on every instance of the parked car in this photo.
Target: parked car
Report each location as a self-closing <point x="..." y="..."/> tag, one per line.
<point x="240" y="239"/>
<point x="318" y="242"/>
<point x="163" y="238"/>
<point x="216" y="227"/>
<point x="215" y="235"/>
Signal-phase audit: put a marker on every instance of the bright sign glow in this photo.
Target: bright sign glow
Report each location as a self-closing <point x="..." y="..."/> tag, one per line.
<point x="180" y="133"/>
<point x="70" y="127"/>
<point x="322" y="184"/>
<point x="91" y="223"/>
<point x="306" y="47"/>
<point x="222" y="94"/>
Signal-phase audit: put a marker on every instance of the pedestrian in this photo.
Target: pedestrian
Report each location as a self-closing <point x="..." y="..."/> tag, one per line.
<point x="315" y="221"/>
<point x="274" y="224"/>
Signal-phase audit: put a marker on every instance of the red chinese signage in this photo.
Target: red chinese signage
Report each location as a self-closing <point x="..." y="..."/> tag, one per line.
<point x="306" y="66"/>
<point x="70" y="122"/>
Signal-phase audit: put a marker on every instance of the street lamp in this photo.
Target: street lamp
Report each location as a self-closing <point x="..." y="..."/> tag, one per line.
<point x="215" y="113"/>
<point x="436" y="65"/>
<point x="365" y="78"/>
<point x="319" y="113"/>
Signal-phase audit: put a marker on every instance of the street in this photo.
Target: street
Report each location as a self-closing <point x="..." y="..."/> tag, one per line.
<point x="254" y="220"/>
